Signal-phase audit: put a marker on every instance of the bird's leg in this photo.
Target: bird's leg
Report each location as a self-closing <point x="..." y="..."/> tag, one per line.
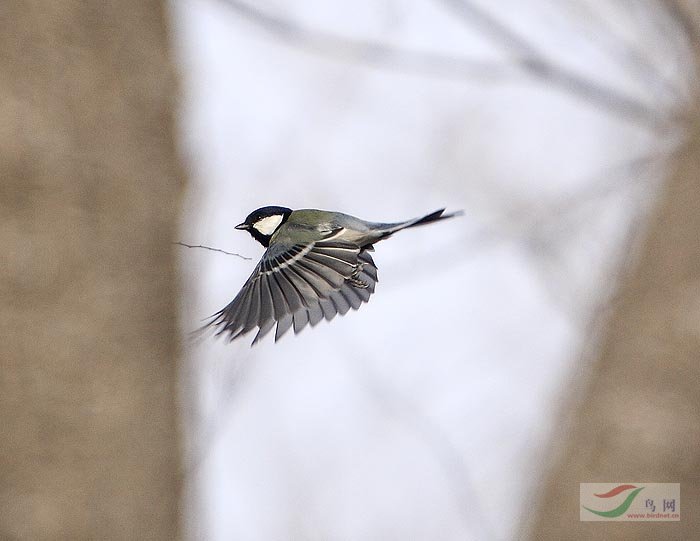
<point x="354" y="279"/>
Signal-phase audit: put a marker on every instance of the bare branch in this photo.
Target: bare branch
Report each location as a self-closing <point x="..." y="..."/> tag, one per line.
<point x="535" y="64"/>
<point x="212" y="249"/>
<point x="522" y="221"/>
<point x="529" y="60"/>
<point x="683" y="20"/>
<point x="689" y="34"/>
<point x="623" y="50"/>
<point x="491" y="26"/>
<point x="373" y="53"/>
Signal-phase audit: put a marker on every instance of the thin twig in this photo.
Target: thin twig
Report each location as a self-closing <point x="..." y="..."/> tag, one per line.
<point x="689" y="34"/>
<point x="623" y="50"/>
<point x="371" y="52"/>
<point x="535" y="64"/>
<point x="683" y="20"/>
<point x="528" y="59"/>
<point x="212" y="249"/>
<point x="516" y="224"/>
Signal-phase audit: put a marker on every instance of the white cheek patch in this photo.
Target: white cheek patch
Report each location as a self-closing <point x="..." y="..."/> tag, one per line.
<point x="267" y="226"/>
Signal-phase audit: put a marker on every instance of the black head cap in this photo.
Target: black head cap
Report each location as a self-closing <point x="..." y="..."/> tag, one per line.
<point x="263" y="222"/>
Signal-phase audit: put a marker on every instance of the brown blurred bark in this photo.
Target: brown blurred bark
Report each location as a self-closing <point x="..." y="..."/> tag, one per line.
<point x="639" y="420"/>
<point x="88" y="208"/>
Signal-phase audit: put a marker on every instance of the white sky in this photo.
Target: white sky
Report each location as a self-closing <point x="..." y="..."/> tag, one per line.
<point x="426" y="414"/>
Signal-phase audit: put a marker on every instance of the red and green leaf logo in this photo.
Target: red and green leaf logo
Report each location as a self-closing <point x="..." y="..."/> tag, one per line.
<point x="624" y="506"/>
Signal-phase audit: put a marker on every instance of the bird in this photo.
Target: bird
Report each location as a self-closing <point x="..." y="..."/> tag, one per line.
<point x="317" y="264"/>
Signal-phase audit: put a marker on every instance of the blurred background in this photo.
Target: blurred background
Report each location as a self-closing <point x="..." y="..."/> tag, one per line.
<point x="427" y="414"/>
<point x="548" y="337"/>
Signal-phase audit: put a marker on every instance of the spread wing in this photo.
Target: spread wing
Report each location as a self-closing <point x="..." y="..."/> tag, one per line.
<point x="299" y="285"/>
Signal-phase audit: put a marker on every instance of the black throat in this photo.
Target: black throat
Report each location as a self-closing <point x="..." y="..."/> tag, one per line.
<point x="262" y="239"/>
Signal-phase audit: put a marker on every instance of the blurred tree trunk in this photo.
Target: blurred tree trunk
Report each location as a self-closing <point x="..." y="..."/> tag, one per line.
<point x="88" y="208"/>
<point x="639" y="420"/>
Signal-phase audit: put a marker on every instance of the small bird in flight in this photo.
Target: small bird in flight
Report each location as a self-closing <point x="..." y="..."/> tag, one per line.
<point x="317" y="264"/>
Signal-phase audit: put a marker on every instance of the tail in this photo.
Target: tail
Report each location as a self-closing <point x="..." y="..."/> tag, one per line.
<point x="432" y="217"/>
<point x="436" y="216"/>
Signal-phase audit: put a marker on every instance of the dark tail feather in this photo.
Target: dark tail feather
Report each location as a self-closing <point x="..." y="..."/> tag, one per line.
<point x="433" y="217"/>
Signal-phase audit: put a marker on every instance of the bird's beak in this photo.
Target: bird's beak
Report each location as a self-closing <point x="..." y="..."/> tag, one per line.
<point x="244" y="226"/>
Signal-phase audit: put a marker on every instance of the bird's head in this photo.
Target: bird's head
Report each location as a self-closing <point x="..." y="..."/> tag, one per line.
<point x="263" y="222"/>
